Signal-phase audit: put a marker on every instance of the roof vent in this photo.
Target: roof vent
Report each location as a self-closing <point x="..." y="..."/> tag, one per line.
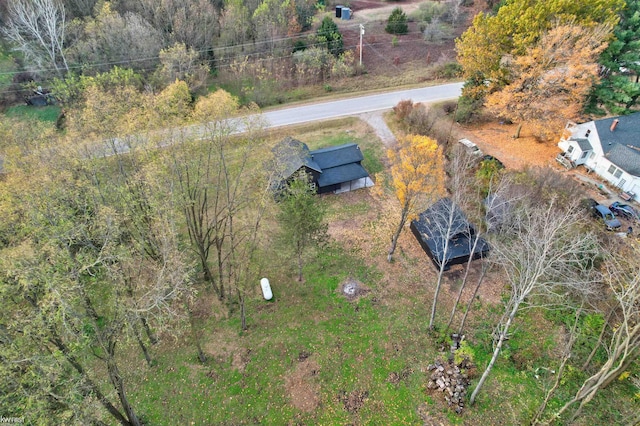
<point x="614" y="124"/>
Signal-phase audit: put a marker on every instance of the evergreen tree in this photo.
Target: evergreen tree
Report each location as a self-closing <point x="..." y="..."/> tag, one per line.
<point x="619" y="88"/>
<point x="397" y="22"/>
<point x="329" y="34"/>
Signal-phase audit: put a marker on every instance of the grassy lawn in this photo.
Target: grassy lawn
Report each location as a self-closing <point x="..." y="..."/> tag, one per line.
<point x="48" y="113"/>
<point x="313" y="356"/>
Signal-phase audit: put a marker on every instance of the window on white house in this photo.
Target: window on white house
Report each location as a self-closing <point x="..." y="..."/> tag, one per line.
<point x="612" y="169"/>
<point x="584" y="154"/>
<point x="570" y="149"/>
<point x="593" y="154"/>
<point x="618" y="173"/>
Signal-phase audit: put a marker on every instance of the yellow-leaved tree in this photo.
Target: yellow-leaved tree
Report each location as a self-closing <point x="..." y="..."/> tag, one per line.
<point x="418" y="177"/>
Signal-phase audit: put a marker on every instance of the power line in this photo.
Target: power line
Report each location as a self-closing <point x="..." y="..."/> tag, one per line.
<point x="354" y="26"/>
<point x="225" y="62"/>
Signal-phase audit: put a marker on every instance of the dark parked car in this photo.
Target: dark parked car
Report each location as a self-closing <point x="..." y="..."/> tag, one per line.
<point x="624" y="210"/>
<point x="603" y="212"/>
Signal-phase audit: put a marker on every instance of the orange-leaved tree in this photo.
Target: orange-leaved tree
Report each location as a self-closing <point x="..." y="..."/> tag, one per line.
<point x="552" y="80"/>
<point x="418" y="177"/>
<point x="517" y="26"/>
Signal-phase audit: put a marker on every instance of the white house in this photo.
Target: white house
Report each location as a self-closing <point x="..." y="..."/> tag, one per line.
<point x="610" y="147"/>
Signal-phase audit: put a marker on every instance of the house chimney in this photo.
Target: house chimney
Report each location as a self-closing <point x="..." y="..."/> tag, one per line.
<point x="614" y="124"/>
<point x="586" y="135"/>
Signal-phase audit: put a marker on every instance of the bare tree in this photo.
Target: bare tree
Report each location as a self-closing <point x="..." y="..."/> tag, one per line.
<point x="37" y="28"/>
<point x="494" y="211"/>
<point x="210" y="173"/>
<point x="544" y="258"/>
<point x="460" y="171"/>
<point x="623" y="347"/>
<point x="112" y="38"/>
<point x="447" y="228"/>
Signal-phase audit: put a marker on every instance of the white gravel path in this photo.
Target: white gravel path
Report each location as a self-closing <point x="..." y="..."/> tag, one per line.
<point x="375" y="119"/>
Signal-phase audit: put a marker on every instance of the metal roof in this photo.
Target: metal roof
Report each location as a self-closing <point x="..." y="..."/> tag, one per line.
<point x="337" y="155"/>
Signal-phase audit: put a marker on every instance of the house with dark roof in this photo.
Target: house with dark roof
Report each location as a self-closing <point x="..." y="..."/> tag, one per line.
<point x="445" y="234"/>
<point x="333" y="169"/>
<point x="610" y="147"/>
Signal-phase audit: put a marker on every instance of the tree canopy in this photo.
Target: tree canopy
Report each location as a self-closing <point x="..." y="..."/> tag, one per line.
<point x="416" y="170"/>
<point x="561" y="66"/>
<point x="301" y="217"/>
<point x="619" y="87"/>
<point x="397" y="22"/>
<point x="517" y="26"/>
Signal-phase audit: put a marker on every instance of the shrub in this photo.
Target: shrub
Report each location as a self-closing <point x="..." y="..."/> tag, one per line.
<point x="421" y="120"/>
<point x="299" y="45"/>
<point x="448" y="70"/>
<point x="397" y="22"/>
<point x="468" y="109"/>
<point x="465" y="354"/>
<point x="403" y="108"/>
<point x="427" y="11"/>
<point x="436" y="31"/>
<point x="449" y="107"/>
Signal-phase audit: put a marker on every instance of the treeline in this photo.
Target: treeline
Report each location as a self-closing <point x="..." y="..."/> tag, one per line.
<point x="542" y="63"/>
<point x="253" y="43"/>
<point x="108" y="244"/>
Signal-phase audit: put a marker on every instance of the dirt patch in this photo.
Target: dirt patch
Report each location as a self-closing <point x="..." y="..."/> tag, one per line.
<point x="352" y="289"/>
<point x="495" y="138"/>
<point x="353" y="401"/>
<point x="397" y="377"/>
<point x="226" y="347"/>
<point x="301" y="388"/>
<point x="385" y="53"/>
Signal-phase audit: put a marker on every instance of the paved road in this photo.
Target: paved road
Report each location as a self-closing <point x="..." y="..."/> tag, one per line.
<point x="287" y="116"/>
<point x="362" y="104"/>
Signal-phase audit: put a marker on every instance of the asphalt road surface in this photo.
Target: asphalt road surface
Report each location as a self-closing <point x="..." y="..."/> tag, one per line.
<point x="287" y="116"/>
<point x="362" y="104"/>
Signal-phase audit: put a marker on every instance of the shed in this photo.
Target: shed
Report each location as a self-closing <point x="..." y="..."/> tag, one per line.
<point x="445" y="219"/>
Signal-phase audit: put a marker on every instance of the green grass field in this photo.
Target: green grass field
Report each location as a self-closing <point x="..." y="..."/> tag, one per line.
<point x="311" y="356"/>
<point x="48" y="113"/>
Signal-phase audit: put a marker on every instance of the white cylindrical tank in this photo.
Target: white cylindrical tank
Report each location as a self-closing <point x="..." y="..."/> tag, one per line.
<point x="266" y="289"/>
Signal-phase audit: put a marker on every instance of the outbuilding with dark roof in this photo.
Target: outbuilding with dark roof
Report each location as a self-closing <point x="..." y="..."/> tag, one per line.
<point x="333" y="169"/>
<point x="445" y="234"/>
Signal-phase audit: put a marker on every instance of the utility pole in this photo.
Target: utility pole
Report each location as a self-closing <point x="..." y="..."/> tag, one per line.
<point x="361" y="34"/>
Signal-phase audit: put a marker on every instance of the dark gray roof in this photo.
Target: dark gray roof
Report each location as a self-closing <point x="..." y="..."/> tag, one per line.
<point x="334" y="156"/>
<point x="627" y="159"/>
<point x="335" y="165"/>
<point x="436" y="218"/>
<point x="291" y="155"/>
<point x="339" y="164"/>
<point x="430" y="230"/>
<point x="583" y="144"/>
<point x="340" y="174"/>
<point x="621" y="146"/>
